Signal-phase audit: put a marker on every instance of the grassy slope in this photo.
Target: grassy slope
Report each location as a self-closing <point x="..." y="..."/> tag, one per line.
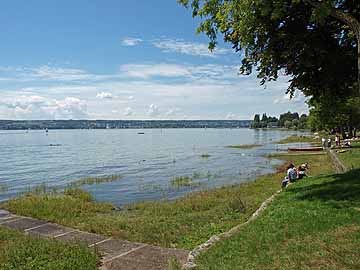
<point x="183" y="223"/>
<point x="314" y="224"/>
<point x="351" y="158"/>
<point x="19" y="252"/>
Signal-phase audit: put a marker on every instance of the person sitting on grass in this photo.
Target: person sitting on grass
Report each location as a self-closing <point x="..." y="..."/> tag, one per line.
<point x="291" y="175"/>
<point x="301" y="172"/>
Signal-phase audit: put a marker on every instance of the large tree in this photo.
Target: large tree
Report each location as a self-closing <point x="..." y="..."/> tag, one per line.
<point x="316" y="42"/>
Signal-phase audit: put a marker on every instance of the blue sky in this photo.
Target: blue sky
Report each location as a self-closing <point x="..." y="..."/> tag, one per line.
<point x="111" y="59"/>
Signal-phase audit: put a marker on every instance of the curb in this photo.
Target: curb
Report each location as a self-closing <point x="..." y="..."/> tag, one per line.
<point x="190" y="264"/>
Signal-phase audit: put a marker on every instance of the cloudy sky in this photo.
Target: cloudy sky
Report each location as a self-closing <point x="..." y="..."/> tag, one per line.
<point x="139" y="59"/>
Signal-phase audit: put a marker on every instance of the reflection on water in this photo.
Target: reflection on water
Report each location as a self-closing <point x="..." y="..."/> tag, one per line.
<point x="147" y="162"/>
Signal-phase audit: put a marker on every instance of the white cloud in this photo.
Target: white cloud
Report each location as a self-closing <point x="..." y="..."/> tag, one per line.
<point x="173" y="111"/>
<point x="146" y="71"/>
<point x="128" y="111"/>
<point x="298" y="98"/>
<point x="129" y="41"/>
<point x="61" y="74"/>
<point x="230" y="116"/>
<point x="38" y="107"/>
<point x="153" y="110"/>
<point x="188" y="48"/>
<point x="104" y="95"/>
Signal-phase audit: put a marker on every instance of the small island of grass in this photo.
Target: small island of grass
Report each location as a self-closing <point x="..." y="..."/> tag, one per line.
<point x="244" y="146"/>
<point x="298" y="139"/>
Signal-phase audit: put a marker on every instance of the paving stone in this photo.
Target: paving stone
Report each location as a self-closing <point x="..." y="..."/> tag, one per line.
<point x="24" y="224"/>
<point x="87" y="238"/>
<point x="8" y="219"/>
<point x="158" y="254"/>
<point x="124" y="263"/>
<point x="50" y="230"/>
<point x="4" y="214"/>
<point x="114" y="247"/>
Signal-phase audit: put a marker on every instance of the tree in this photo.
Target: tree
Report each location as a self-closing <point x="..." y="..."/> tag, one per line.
<point x="288" y="124"/>
<point x="264" y="118"/>
<point x="334" y="113"/>
<point x="299" y="37"/>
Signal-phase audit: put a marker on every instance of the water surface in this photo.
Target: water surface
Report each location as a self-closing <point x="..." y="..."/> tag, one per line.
<point x="147" y="162"/>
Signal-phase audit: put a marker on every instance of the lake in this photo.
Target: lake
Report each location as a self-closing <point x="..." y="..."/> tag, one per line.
<point x="147" y="162"/>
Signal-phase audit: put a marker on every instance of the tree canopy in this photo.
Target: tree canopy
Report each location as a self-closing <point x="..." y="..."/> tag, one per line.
<point x="314" y="42"/>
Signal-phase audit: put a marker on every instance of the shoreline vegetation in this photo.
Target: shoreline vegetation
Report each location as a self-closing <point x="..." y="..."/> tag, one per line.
<point x="318" y="219"/>
<point x="299" y="139"/>
<point x="244" y="146"/>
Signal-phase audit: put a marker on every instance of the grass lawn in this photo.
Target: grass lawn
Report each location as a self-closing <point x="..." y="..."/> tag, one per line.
<point x="183" y="223"/>
<point x="351" y="158"/>
<point x="314" y="224"/>
<point x="20" y="252"/>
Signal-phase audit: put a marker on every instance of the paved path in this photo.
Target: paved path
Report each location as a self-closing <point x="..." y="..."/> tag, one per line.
<point x="339" y="166"/>
<point x="116" y="254"/>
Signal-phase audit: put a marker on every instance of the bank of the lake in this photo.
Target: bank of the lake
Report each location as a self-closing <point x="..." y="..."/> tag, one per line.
<point x="314" y="223"/>
<point x="182" y="223"/>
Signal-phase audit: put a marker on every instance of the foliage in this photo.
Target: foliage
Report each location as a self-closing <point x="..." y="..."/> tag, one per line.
<point x="286" y="35"/>
<point x="287" y="120"/>
<point x="332" y="112"/>
<point x="313" y="42"/>
<point x="20" y="252"/>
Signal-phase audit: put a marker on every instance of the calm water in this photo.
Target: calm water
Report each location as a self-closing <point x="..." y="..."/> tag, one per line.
<point x="147" y="162"/>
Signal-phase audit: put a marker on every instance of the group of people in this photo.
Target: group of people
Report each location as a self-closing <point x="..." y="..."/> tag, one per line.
<point x="294" y="174"/>
<point x="328" y="143"/>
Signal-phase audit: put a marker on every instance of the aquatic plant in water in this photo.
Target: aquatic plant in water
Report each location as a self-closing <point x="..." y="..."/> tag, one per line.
<point x="94" y="180"/>
<point x="183" y="181"/>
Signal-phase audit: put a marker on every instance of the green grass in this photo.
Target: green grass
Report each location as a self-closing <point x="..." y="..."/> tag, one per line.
<point x="20" y="252"/>
<point x="299" y="139"/>
<point x="351" y="156"/>
<point x="244" y="146"/>
<point x="314" y="224"/>
<point x="182" y="223"/>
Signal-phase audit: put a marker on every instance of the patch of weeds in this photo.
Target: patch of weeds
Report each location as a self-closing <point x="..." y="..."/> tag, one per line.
<point x="80" y="194"/>
<point x="183" y="181"/>
<point x="298" y="139"/>
<point x="95" y="180"/>
<point x="174" y="264"/>
<point x="244" y="146"/>
<point x="237" y="205"/>
<point x="205" y="156"/>
<point x="3" y="188"/>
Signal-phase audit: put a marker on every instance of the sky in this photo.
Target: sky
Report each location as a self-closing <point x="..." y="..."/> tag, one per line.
<point x="139" y="59"/>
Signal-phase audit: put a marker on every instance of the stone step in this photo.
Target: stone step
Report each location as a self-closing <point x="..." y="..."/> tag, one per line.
<point x="116" y="254"/>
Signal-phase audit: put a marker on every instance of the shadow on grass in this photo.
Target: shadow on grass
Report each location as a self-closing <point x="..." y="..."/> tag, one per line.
<point x="343" y="188"/>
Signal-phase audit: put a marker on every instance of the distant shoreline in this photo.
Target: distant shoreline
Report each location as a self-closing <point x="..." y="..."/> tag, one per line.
<point x="119" y="124"/>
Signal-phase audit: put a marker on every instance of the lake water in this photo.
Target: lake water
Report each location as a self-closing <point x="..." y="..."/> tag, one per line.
<point x="146" y="162"/>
